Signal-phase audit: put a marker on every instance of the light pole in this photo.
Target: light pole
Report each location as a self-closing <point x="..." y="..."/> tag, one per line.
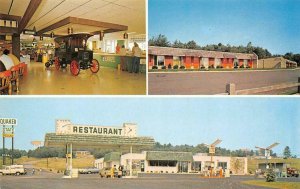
<point x="267" y="152"/>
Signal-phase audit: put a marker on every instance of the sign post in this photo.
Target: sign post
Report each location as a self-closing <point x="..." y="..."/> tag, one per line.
<point x="212" y="151"/>
<point x="8" y="132"/>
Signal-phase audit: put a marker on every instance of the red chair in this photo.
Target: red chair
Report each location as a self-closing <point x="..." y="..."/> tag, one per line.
<point x="15" y="77"/>
<point x="5" y="84"/>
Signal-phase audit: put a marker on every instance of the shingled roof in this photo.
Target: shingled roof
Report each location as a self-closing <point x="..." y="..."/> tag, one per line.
<point x="113" y="156"/>
<point x="169" y="51"/>
<point x="171" y="156"/>
<point x="103" y="141"/>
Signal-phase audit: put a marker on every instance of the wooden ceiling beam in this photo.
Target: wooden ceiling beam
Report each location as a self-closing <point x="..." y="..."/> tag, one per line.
<point x="88" y="22"/>
<point x="10" y="17"/>
<point x="32" y="7"/>
<point x="85" y="22"/>
<point x="8" y="30"/>
<point x="54" y="26"/>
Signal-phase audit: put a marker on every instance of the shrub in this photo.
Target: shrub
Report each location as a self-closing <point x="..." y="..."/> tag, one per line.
<point x="236" y="67"/>
<point x="211" y="66"/>
<point x="219" y="66"/>
<point x="271" y="176"/>
<point x="169" y="66"/>
<point x="247" y="66"/>
<point x="175" y="67"/>
<point x="154" y="67"/>
<point x="202" y="67"/>
<point x="242" y="66"/>
<point x="163" y="67"/>
<point x="182" y="67"/>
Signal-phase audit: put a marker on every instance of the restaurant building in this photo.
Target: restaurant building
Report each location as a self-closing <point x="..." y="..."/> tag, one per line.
<point x="173" y="162"/>
<point x="195" y="59"/>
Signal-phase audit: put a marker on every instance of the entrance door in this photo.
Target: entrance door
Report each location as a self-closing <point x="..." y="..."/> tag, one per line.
<point x="182" y="166"/>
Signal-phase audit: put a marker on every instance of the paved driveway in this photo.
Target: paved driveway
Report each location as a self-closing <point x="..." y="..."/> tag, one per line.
<point x="214" y="82"/>
<point x="55" y="181"/>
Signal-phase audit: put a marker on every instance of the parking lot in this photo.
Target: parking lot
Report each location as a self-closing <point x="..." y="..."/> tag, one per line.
<point x="50" y="180"/>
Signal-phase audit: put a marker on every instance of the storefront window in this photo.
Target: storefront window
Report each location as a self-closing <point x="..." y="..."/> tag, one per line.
<point x="162" y="163"/>
<point x="222" y="164"/>
<point x="196" y="166"/>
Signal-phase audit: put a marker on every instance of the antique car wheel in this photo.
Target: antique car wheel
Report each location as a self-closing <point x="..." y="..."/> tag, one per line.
<point x="94" y="66"/>
<point x="74" y="67"/>
<point x="47" y="64"/>
<point x="56" y="63"/>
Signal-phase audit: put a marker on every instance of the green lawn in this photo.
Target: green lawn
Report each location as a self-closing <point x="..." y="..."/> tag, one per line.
<point x="280" y="185"/>
<point x="53" y="163"/>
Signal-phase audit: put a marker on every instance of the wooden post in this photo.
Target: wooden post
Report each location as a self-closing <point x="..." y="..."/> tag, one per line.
<point x="230" y="89"/>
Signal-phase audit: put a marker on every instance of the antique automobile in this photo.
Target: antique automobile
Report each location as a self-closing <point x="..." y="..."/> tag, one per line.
<point x="72" y="49"/>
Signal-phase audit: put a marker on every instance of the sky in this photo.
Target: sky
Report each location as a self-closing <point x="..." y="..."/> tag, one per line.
<point x="238" y="122"/>
<point x="271" y="24"/>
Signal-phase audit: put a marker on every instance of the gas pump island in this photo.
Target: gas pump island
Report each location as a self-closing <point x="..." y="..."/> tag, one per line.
<point x="70" y="136"/>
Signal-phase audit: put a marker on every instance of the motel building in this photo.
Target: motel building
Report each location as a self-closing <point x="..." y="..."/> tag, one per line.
<point x="196" y="59"/>
<point x="169" y="162"/>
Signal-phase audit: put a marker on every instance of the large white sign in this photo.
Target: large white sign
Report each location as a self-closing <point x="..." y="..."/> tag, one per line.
<point x="8" y="132"/>
<point x="8" y="121"/>
<point x="66" y="127"/>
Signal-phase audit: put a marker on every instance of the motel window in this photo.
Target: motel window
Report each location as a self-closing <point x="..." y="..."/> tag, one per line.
<point x="204" y="62"/>
<point x="217" y="62"/>
<point x="245" y="63"/>
<point x="161" y="163"/>
<point x="160" y="61"/>
<point x="176" y="60"/>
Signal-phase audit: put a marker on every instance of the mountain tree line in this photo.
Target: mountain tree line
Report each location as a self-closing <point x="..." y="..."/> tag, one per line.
<point x="47" y="152"/>
<point x="162" y="41"/>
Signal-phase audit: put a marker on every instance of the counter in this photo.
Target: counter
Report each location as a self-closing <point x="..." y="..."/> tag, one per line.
<point x="113" y="60"/>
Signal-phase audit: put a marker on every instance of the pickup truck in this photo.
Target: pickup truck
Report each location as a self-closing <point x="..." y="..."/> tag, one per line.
<point x="292" y="172"/>
<point x="13" y="170"/>
<point x="88" y="170"/>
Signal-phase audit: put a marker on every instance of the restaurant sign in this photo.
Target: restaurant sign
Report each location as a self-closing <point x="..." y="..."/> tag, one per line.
<point x="8" y="121"/>
<point x="8" y="131"/>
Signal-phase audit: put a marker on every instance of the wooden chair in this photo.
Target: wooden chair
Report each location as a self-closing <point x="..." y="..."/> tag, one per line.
<point x="5" y="84"/>
<point x="15" y="77"/>
<point x="22" y="69"/>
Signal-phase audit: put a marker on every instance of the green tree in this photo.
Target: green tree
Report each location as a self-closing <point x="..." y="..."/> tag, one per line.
<point x="191" y="45"/>
<point x="160" y="40"/>
<point x="287" y="152"/>
<point x="178" y="44"/>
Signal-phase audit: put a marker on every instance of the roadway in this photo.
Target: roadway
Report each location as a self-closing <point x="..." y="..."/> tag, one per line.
<point x="214" y="82"/>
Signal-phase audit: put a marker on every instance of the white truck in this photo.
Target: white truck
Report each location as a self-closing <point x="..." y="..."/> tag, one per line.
<point x="13" y="170"/>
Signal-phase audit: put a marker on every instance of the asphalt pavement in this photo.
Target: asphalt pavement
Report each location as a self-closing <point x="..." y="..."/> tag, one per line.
<point x="159" y="181"/>
<point x="214" y="82"/>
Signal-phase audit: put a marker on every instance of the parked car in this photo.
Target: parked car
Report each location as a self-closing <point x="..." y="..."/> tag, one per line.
<point x="88" y="170"/>
<point x="13" y="170"/>
<point x="106" y="172"/>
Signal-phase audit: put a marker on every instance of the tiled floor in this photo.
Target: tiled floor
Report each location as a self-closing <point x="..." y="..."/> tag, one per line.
<point x="108" y="81"/>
